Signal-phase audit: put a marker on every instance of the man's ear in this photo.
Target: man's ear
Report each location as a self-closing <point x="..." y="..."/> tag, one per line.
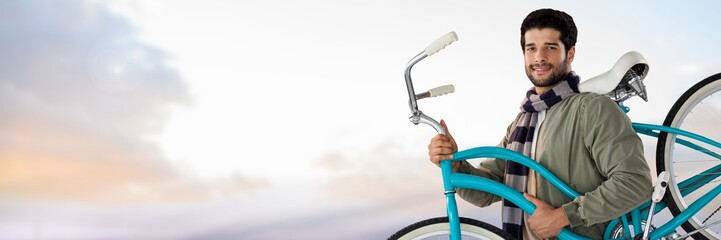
<point x="571" y="54"/>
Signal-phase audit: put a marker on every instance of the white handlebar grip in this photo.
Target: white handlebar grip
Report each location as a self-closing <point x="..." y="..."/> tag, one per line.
<point x="445" y="89"/>
<point x="441" y="43"/>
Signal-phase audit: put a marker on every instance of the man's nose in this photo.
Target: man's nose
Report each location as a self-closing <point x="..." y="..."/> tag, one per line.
<point x="540" y="56"/>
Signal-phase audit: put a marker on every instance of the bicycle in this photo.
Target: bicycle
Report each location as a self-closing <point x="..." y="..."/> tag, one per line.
<point x="692" y="184"/>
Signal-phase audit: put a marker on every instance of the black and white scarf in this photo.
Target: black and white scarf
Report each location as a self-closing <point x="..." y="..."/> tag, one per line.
<point x="521" y="139"/>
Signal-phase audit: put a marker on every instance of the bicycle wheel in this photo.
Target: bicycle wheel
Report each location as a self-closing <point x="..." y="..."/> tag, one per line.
<point x="438" y="228"/>
<point x="698" y="110"/>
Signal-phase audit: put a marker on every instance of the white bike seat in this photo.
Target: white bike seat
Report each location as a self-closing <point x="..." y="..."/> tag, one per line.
<point x="607" y="82"/>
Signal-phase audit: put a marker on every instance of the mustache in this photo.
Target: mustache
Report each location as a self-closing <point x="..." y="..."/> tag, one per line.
<point x="540" y="65"/>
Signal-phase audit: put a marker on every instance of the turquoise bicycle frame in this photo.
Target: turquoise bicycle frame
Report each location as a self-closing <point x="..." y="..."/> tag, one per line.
<point x="452" y="180"/>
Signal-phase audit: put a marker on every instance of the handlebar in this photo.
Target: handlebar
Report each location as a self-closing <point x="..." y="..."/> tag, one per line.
<point x="417" y="116"/>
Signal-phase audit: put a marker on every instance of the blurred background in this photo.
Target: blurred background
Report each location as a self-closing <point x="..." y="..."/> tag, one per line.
<point x="281" y="119"/>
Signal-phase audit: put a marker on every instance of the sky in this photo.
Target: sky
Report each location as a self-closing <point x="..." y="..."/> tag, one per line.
<point x="280" y="119"/>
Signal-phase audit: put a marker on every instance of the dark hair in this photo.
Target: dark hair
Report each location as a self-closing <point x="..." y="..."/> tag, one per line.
<point x="550" y="18"/>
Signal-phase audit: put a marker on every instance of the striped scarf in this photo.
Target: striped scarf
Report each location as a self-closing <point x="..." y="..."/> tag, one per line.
<point x="516" y="175"/>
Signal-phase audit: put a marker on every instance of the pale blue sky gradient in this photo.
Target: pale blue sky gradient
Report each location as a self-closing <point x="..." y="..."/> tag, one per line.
<point x="280" y="119"/>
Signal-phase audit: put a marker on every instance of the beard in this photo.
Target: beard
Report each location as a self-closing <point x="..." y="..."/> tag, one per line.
<point x="557" y="74"/>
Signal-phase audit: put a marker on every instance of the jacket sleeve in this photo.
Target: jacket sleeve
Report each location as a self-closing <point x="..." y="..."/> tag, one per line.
<point x="617" y="152"/>
<point x="492" y="168"/>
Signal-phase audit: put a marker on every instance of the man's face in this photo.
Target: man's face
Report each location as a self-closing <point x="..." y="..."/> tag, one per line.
<point x="545" y="57"/>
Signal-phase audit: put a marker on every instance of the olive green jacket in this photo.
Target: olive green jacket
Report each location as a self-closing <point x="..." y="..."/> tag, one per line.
<point x="588" y="143"/>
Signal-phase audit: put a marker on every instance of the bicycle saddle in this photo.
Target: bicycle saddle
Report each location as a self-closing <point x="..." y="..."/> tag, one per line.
<point x="623" y="81"/>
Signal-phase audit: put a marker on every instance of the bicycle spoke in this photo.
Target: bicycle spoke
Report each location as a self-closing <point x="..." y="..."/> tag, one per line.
<point x="709" y="216"/>
<point x="711" y="111"/>
<point x="696" y="161"/>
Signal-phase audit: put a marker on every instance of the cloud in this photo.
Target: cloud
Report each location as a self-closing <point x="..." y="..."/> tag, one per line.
<point x="368" y="194"/>
<point x="82" y="96"/>
<point x="379" y="175"/>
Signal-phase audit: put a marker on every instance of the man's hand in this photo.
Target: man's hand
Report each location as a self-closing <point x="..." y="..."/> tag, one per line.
<point x="546" y="221"/>
<point x="441" y="148"/>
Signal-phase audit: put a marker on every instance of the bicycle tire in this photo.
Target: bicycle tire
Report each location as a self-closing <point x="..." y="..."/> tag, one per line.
<point x="686" y="113"/>
<point x="438" y="228"/>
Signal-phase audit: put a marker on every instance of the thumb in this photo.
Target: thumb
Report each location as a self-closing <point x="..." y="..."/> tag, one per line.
<point x="443" y="123"/>
<point x="540" y="204"/>
<point x="533" y="199"/>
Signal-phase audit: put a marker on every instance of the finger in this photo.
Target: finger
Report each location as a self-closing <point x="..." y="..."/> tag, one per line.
<point x="441" y="143"/>
<point x="445" y="152"/>
<point x="437" y="137"/>
<point x="440" y="151"/>
<point x="438" y="158"/>
<point x="440" y="137"/>
<point x="447" y="148"/>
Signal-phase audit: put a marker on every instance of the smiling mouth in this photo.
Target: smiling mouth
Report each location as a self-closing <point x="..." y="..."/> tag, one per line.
<point x="541" y="68"/>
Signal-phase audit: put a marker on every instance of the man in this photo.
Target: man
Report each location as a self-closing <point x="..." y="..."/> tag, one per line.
<point x="583" y="138"/>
